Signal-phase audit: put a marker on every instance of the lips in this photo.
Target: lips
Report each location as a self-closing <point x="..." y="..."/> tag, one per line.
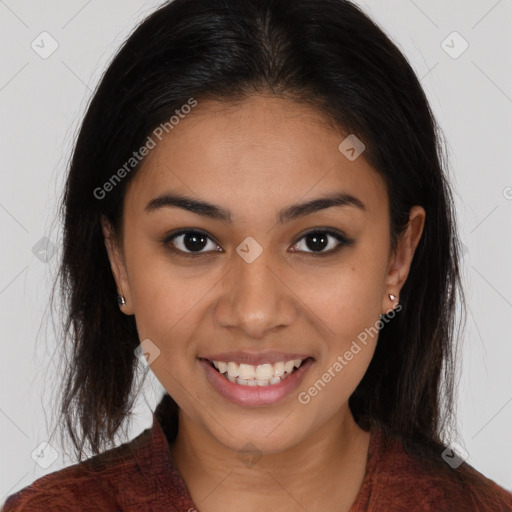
<point x="256" y="396"/>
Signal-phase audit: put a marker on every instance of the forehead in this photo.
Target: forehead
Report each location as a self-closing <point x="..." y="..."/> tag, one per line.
<point x="263" y="151"/>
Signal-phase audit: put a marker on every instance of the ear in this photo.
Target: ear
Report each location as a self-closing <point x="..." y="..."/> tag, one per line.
<point x="401" y="259"/>
<point x="117" y="264"/>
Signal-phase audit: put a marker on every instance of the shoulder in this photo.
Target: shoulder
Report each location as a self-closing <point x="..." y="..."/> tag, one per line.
<point x="91" y="485"/>
<point x="404" y="481"/>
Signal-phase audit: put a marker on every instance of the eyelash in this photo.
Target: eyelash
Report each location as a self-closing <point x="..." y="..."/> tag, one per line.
<point x="343" y="242"/>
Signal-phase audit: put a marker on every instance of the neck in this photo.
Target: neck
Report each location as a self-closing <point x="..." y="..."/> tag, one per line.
<point x="331" y="462"/>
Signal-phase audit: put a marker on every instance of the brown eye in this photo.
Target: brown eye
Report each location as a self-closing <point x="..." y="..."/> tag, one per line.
<point x="317" y="241"/>
<point x="190" y="242"/>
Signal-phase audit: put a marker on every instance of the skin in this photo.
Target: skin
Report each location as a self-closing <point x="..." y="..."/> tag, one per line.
<point x="254" y="159"/>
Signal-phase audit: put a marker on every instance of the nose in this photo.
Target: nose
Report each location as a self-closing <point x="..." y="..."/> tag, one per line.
<point x="255" y="298"/>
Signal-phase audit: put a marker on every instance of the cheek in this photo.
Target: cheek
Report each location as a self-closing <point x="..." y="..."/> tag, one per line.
<point x="165" y="298"/>
<point x="348" y="298"/>
<point x="331" y="386"/>
<point x="348" y="310"/>
<point x="168" y="308"/>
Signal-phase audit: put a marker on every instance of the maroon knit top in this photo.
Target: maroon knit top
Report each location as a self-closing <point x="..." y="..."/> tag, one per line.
<point x="141" y="476"/>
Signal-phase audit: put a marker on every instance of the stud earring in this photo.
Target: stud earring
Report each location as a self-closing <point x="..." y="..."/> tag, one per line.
<point x="393" y="298"/>
<point x="121" y="300"/>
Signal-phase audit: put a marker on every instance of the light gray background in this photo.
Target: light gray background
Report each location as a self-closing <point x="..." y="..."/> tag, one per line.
<point x="42" y="102"/>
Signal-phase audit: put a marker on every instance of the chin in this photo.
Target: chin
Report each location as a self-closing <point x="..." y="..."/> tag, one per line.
<point x="266" y="436"/>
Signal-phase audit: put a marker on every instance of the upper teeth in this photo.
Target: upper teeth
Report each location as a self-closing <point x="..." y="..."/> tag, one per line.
<point x="262" y="372"/>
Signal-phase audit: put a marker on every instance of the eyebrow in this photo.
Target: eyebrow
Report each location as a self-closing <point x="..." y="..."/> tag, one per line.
<point x="292" y="212"/>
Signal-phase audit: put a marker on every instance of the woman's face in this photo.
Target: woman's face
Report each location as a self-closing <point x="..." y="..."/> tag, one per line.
<point x="256" y="281"/>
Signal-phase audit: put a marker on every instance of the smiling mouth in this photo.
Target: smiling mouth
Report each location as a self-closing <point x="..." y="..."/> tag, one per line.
<point x="266" y="374"/>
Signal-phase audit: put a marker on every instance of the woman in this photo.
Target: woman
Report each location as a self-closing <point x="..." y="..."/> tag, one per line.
<point x="260" y="183"/>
